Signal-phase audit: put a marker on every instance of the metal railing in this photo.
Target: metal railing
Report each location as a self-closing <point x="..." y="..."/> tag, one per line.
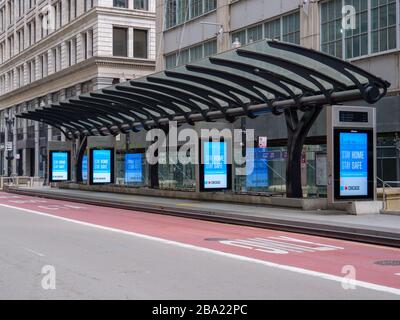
<point x="16" y="181"/>
<point x="386" y="185"/>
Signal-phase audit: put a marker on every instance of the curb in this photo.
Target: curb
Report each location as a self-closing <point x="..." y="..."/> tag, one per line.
<point x="317" y="229"/>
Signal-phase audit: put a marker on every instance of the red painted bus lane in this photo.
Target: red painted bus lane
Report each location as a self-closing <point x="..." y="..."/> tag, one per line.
<point x="364" y="262"/>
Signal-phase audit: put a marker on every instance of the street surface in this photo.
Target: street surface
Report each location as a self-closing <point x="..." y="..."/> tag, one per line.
<point x="105" y="253"/>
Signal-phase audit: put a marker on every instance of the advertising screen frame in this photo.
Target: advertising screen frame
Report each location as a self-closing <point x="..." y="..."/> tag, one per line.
<point x="85" y="173"/>
<point x="140" y="152"/>
<point x="51" y="153"/>
<point x="257" y="170"/>
<point x="370" y="164"/>
<point x="91" y="173"/>
<point x="201" y="168"/>
<point x="321" y="169"/>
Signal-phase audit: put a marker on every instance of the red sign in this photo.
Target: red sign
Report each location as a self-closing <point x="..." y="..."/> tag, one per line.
<point x="262" y="142"/>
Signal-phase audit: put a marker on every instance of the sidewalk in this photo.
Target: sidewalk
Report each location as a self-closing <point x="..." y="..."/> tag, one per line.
<point x="378" y="228"/>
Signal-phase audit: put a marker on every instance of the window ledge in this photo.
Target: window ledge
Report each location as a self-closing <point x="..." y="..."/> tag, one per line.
<point x="372" y="55"/>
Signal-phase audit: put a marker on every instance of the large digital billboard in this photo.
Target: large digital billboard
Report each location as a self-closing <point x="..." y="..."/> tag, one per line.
<point x="353" y="164"/>
<point x="257" y="168"/>
<point x="85" y="168"/>
<point x="102" y="166"/>
<point x="60" y="169"/>
<point x="215" y="172"/>
<point x="133" y="168"/>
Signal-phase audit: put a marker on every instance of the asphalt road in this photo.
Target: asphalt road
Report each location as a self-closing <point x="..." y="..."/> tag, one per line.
<point x="93" y="263"/>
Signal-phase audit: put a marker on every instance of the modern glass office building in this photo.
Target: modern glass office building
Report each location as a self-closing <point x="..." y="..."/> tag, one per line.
<point x="190" y="30"/>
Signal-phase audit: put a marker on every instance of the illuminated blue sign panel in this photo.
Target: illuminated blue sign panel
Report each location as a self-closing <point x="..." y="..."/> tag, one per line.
<point x="85" y="168"/>
<point x="59" y="166"/>
<point x="215" y="165"/>
<point x="257" y="168"/>
<point x="133" y="168"/>
<point x="353" y="172"/>
<point x="102" y="166"/>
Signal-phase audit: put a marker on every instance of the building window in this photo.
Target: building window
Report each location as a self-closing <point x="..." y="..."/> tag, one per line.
<point x="31" y="71"/>
<point x="383" y="25"/>
<point x="59" y="14"/>
<point x="32" y="32"/>
<point x="120" y="40"/>
<point x="331" y="27"/>
<point x="2" y="19"/>
<point x="289" y="32"/>
<point x="21" y="40"/>
<point x="88" y="4"/>
<point x="272" y="29"/>
<point x="44" y="65"/>
<point x="121" y="3"/>
<point x="56" y="55"/>
<point x="240" y="36"/>
<point x="210" y="48"/>
<point x="44" y="31"/>
<point x="72" y="9"/>
<point x="210" y="5"/>
<point x="180" y="11"/>
<point x="170" y="61"/>
<point x="255" y="33"/>
<point x="71" y="51"/>
<point x="20" y="8"/>
<point x="196" y="53"/>
<point x="170" y="13"/>
<point x="355" y="43"/>
<point x="10" y="46"/>
<point x="87" y="39"/>
<point x="196" y="8"/>
<point x="291" y="28"/>
<point x="140" y="43"/>
<point x="191" y="54"/>
<point x="141" y="5"/>
<point x="20" y="76"/>
<point x="2" y="52"/>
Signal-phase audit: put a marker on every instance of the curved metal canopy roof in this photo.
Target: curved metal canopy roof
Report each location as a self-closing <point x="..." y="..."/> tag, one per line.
<point x="265" y="76"/>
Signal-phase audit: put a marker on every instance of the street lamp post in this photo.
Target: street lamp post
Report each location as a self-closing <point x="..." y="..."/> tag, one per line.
<point x="10" y="157"/>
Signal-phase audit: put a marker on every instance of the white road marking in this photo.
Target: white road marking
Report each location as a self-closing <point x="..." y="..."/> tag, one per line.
<point x="34" y="252"/>
<point x="317" y="274"/>
<point x="397" y="274"/>
<point x="285" y="245"/>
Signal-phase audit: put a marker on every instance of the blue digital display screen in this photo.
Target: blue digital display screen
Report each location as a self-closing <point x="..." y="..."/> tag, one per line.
<point x="102" y="166"/>
<point x="353" y="164"/>
<point x="133" y="168"/>
<point x="257" y="168"/>
<point x="85" y="168"/>
<point x="60" y="166"/>
<point x="215" y="165"/>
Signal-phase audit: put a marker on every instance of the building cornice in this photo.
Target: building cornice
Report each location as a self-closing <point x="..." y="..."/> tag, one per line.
<point x="79" y="68"/>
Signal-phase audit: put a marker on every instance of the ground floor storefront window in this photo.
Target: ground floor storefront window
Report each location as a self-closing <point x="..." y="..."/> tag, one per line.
<point x="388" y="157"/>
<point x="176" y="176"/>
<point x="269" y="172"/>
<point x="132" y="168"/>
<point x="266" y="176"/>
